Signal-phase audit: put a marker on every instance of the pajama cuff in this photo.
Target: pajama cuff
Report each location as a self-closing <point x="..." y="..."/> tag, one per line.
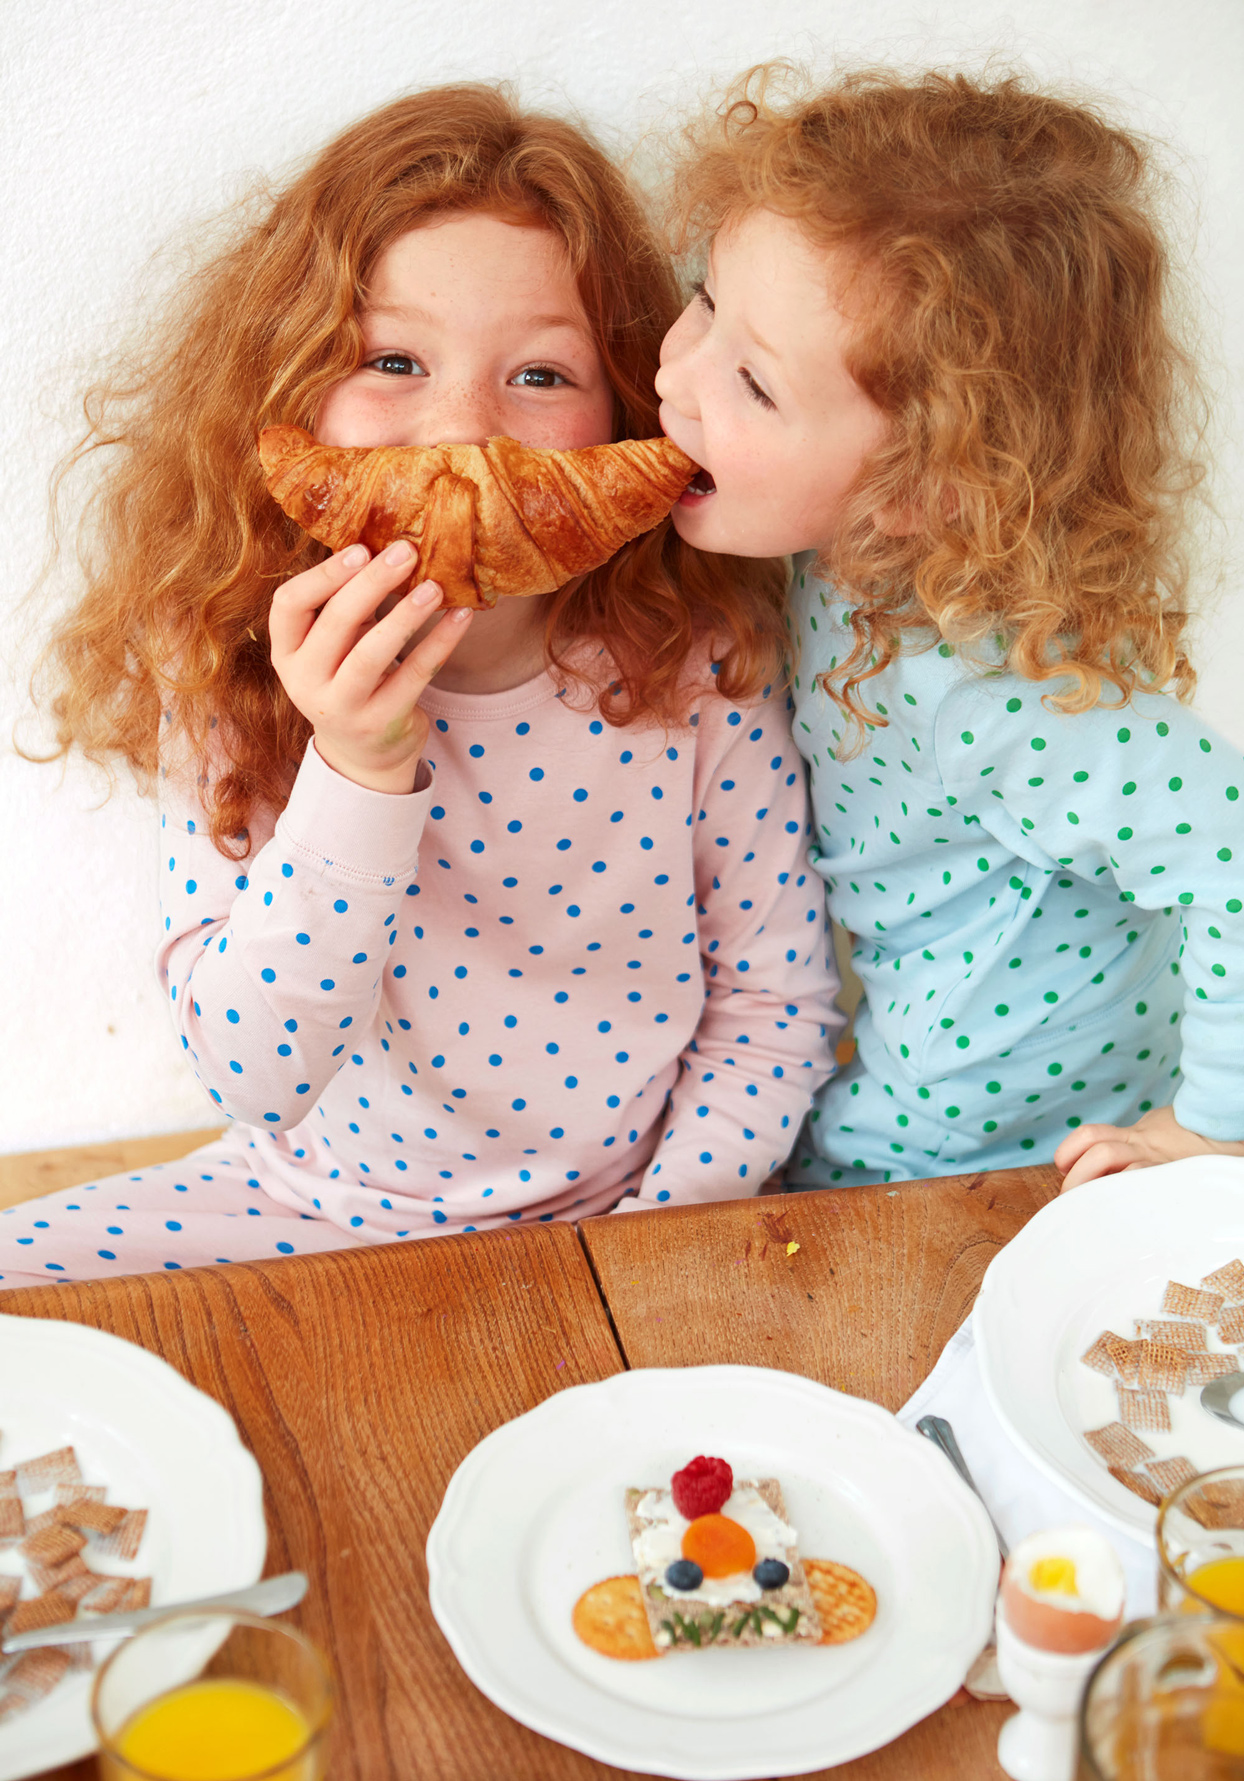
<point x="342" y="829"/>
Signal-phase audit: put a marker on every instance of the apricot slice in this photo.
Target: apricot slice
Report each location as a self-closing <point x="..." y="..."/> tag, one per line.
<point x="721" y="1547"/>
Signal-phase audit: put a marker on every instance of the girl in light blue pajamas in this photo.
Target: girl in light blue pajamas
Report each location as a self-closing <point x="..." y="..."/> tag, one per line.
<point x="931" y="359"/>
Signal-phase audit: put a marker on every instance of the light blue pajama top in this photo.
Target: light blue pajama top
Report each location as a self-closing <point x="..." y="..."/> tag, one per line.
<point x="1047" y="912"/>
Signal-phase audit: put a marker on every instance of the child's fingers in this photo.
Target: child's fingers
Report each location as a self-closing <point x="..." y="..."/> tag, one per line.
<point x="379" y="646"/>
<point x="1083" y="1138"/>
<point x="407" y="683"/>
<point x="296" y="602"/>
<point x="1107" y="1157"/>
<point x="336" y="629"/>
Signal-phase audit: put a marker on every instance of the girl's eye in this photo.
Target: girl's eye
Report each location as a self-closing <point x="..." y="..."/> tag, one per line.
<point x="396" y="364"/>
<point x="702" y="296"/>
<point x="754" y="390"/>
<point x="538" y="377"/>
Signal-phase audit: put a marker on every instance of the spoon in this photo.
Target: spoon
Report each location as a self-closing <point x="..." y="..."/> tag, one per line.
<point x="273" y="1596"/>
<point x="939" y="1431"/>
<point x="1217" y="1395"/>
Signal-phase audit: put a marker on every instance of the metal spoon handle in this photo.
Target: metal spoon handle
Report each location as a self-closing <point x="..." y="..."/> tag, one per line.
<point x="939" y="1431"/>
<point x="273" y="1596"/>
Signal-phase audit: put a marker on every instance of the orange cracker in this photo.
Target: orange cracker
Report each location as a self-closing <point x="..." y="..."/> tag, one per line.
<point x="1231" y="1324"/>
<point x="1169" y="1474"/>
<point x="1228" y="1280"/>
<point x="1176" y="1335"/>
<point x="1118" y="1446"/>
<point x="610" y="1617"/>
<point x="1144" y="1409"/>
<point x="1137" y="1483"/>
<point x="1162" y="1368"/>
<point x="12" y="1520"/>
<point x="1189" y="1301"/>
<point x="10" y="1589"/>
<point x="846" y="1603"/>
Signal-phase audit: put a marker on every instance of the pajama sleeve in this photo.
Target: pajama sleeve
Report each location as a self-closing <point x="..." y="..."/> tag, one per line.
<point x="764" y="1042"/>
<point x="1146" y="794"/>
<point x="270" y="961"/>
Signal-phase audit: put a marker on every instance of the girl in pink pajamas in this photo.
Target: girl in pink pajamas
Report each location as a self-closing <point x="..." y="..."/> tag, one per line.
<point x="466" y="918"/>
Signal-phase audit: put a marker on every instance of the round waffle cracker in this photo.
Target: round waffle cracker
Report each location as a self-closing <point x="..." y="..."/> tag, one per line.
<point x="846" y="1603"/>
<point x="610" y="1618"/>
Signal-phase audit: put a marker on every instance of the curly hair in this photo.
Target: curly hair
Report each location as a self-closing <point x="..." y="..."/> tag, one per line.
<point x="1009" y="293"/>
<point x="182" y="545"/>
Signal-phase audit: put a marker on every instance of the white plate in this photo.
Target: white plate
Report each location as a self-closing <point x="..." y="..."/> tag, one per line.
<point x="157" y="1443"/>
<point x="1095" y="1259"/>
<point x="534" y="1515"/>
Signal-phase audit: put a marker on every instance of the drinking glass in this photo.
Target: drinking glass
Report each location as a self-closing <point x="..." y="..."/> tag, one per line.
<point x="226" y="1667"/>
<point x="1200" y="1537"/>
<point x="1166" y="1703"/>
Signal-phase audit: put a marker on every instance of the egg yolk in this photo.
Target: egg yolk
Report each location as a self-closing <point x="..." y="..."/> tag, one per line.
<point x="1054" y="1576"/>
<point x="721" y="1547"/>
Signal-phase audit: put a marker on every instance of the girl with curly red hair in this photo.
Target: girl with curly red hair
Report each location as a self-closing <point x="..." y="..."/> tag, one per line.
<point x="466" y="919"/>
<point x="933" y="351"/>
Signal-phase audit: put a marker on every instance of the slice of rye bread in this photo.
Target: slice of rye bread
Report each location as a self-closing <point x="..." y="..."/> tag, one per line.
<point x="681" y="1623"/>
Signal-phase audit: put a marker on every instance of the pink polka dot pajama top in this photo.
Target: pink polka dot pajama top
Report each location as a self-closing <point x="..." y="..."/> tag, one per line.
<point x="584" y="967"/>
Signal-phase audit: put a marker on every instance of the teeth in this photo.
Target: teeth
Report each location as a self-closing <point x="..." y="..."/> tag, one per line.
<point x="701" y="484"/>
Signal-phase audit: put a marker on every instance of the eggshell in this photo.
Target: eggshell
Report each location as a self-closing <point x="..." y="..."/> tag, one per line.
<point x="1050" y="1620"/>
<point x="1050" y="1628"/>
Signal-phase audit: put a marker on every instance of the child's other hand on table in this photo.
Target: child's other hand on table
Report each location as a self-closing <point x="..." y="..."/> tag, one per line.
<point x="1157" y="1137"/>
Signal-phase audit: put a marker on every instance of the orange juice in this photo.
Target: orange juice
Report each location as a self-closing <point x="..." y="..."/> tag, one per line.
<point x="1221" y="1582"/>
<point x="217" y="1731"/>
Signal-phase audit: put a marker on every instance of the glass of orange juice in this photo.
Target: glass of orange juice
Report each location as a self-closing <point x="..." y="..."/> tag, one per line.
<point x="213" y="1697"/>
<point x="1166" y="1703"/>
<point x="1200" y="1537"/>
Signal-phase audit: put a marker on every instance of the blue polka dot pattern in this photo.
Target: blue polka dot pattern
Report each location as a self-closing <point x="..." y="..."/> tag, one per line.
<point x="544" y="938"/>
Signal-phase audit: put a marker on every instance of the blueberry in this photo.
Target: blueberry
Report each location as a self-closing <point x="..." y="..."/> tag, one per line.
<point x="771" y="1573"/>
<point x="684" y="1573"/>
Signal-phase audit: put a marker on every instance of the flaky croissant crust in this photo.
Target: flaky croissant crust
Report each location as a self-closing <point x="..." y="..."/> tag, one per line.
<point x="487" y="520"/>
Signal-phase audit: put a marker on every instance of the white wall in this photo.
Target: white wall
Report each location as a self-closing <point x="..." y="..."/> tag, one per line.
<point x="127" y="122"/>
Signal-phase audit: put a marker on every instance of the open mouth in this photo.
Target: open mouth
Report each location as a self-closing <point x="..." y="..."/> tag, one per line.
<point x="701" y="484"/>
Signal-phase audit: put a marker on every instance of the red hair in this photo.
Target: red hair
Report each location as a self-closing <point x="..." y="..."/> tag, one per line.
<point x="1010" y="299"/>
<point x="185" y="546"/>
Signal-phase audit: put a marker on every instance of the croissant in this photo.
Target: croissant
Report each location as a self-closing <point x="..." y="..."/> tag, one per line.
<point x="487" y="520"/>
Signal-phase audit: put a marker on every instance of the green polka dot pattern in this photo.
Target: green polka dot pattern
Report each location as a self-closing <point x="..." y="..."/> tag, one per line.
<point x="1048" y="911"/>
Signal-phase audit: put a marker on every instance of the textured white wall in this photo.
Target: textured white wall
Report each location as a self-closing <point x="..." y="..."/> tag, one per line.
<point x="127" y="123"/>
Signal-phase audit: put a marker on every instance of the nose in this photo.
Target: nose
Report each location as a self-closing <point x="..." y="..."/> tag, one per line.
<point x="675" y="380"/>
<point x="463" y="412"/>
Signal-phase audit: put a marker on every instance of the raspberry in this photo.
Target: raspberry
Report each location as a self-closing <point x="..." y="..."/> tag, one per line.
<point x="701" y="1487"/>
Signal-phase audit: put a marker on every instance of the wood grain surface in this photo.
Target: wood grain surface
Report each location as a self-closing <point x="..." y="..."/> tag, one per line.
<point x="360" y="1380"/>
<point x="27" y="1174"/>
<point x="880" y="1281"/>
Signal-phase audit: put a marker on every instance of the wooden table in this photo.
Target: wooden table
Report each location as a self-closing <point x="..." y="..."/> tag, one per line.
<point x="360" y="1380"/>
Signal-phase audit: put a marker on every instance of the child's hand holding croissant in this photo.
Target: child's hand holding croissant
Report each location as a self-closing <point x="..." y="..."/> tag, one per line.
<point x="336" y="660"/>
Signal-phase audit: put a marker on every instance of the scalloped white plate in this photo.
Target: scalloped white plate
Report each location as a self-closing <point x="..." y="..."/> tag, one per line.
<point x="534" y="1515"/>
<point x="157" y="1443"/>
<point x="1094" y="1259"/>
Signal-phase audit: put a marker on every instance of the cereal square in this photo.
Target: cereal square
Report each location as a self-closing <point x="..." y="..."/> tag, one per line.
<point x="1099" y="1356"/>
<point x="1204" y="1367"/>
<point x="1162" y="1368"/>
<point x="1144" y="1409"/>
<point x="1229" y="1281"/>
<point x="1118" y="1446"/>
<point x="1188" y="1301"/>
<point x="1231" y="1324"/>
<point x="1169" y="1474"/>
<point x="1176" y="1335"/>
<point x="1137" y="1483"/>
